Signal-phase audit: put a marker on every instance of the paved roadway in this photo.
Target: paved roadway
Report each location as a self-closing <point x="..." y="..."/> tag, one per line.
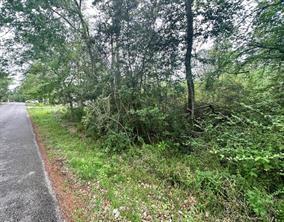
<point x="25" y="192"/>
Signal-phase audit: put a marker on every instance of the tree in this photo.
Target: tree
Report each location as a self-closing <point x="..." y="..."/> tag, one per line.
<point x="4" y="85"/>
<point x="189" y="45"/>
<point x="262" y="42"/>
<point x="202" y="22"/>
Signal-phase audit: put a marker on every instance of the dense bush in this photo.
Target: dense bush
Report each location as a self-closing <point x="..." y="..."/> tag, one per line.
<point x="115" y="142"/>
<point x="149" y="123"/>
<point x="74" y="114"/>
<point x="248" y="140"/>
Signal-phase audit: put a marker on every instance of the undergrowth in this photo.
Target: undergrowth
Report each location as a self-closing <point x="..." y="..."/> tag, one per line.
<point x="157" y="182"/>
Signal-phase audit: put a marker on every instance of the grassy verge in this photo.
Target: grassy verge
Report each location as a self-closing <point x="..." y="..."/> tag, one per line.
<point x="149" y="183"/>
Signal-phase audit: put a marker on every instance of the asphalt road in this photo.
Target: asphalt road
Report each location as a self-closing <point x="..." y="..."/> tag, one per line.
<point x="25" y="191"/>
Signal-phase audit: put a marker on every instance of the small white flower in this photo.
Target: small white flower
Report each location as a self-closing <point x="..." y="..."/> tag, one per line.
<point x="116" y="213"/>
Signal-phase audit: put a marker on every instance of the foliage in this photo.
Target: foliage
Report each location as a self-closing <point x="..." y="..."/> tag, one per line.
<point x="4" y="85"/>
<point x="116" y="142"/>
<point x="248" y="139"/>
<point x="259" y="202"/>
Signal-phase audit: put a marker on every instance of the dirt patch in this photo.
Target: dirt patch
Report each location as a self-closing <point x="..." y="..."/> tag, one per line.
<point x="72" y="195"/>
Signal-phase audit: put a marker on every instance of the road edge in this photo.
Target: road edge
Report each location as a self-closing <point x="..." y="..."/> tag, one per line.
<point x="48" y="182"/>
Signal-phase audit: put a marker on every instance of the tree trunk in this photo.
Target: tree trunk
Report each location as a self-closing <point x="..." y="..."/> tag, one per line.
<point x="112" y="68"/>
<point x="188" y="58"/>
<point x="115" y="47"/>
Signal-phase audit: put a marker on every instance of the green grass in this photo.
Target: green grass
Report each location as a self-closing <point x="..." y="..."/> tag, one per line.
<point x="147" y="183"/>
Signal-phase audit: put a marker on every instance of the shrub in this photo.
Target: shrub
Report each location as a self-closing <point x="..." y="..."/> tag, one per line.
<point x="249" y="147"/>
<point x="98" y="119"/>
<point x="148" y="123"/>
<point x="259" y="201"/>
<point x="116" y="142"/>
<point x="75" y="114"/>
